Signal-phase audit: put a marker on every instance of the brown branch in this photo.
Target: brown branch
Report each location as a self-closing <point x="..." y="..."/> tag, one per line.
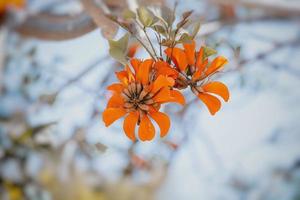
<point x="98" y="13"/>
<point x="56" y="27"/>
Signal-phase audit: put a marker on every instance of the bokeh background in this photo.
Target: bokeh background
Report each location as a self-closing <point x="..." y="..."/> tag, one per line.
<point x="54" y="68"/>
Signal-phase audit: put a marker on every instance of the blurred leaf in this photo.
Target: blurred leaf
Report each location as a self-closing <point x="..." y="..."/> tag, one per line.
<point x="187" y="14"/>
<point x="196" y="29"/>
<point x="118" y="48"/>
<point x="32" y="131"/>
<point x="209" y="51"/>
<point x="185" y="38"/>
<point x="159" y="29"/>
<point x="166" y="42"/>
<point x="168" y="15"/>
<point x="101" y="147"/>
<point x="146" y="17"/>
<point x="128" y="14"/>
<point x="14" y="192"/>
<point x="48" y="98"/>
<point x="237" y="52"/>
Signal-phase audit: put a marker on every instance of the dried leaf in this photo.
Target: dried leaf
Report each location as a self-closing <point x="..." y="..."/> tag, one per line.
<point x="160" y="29"/>
<point x="117" y="49"/>
<point x="128" y="14"/>
<point x="186" y="14"/>
<point x="195" y="29"/>
<point x="209" y="51"/>
<point x="167" y="15"/>
<point x="185" y="38"/>
<point x="146" y="17"/>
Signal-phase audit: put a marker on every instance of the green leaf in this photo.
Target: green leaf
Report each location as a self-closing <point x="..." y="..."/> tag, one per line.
<point x="209" y="51"/>
<point x="146" y="17"/>
<point x="159" y="29"/>
<point x="185" y="38"/>
<point x="167" y="15"/>
<point x="196" y="29"/>
<point x="118" y="48"/>
<point x="128" y="14"/>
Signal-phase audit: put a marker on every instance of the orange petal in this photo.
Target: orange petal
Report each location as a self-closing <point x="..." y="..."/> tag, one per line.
<point x="129" y="124"/>
<point x="115" y="87"/>
<point x="216" y="64"/>
<point x="189" y="49"/>
<point x="122" y="76"/>
<point x="116" y="101"/>
<point x="132" y="50"/>
<point x="178" y="57"/>
<point x="212" y="103"/>
<point x="177" y="97"/>
<point x="135" y="63"/>
<point x="164" y="95"/>
<point x="217" y="88"/>
<point x="112" y="114"/>
<point x="163" y="68"/>
<point x="160" y="82"/>
<point x="146" y="129"/>
<point x="199" y="61"/>
<point x="143" y="71"/>
<point x="200" y="70"/>
<point x="130" y="75"/>
<point x="163" y="122"/>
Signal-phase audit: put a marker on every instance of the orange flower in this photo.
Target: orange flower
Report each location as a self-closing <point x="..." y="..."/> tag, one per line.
<point x="195" y="70"/>
<point x="138" y="96"/>
<point x="5" y="4"/>
<point x="132" y="50"/>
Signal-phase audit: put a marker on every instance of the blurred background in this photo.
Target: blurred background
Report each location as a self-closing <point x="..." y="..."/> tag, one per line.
<point x="54" y="68"/>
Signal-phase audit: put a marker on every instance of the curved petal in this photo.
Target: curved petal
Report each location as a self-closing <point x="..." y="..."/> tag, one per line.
<point x="122" y="76"/>
<point x="212" y="103"/>
<point x="216" y="64"/>
<point x="160" y="82"/>
<point x="129" y="124"/>
<point x="163" y="122"/>
<point x="146" y="129"/>
<point x="189" y="49"/>
<point x="178" y="57"/>
<point x="143" y="71"/>
<point x="200" y="69"/>
<point x="115" y="87"/>
<point x="131" y="77"/>
<point x="115" y="101"/>
<point x="217" y="88"/>
<point x="177" y="97"/>
<point x="163" y="95"/>
<point x="199" y="59"/>
<point x="135" y="63"/>
<point x="163" y="68"/>
<point x="112" y="114"/>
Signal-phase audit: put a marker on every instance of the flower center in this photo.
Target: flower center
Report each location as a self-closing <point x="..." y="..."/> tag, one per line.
<point x="137" y="97"/>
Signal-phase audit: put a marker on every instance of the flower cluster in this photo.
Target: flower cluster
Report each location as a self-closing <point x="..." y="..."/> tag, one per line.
<point x="144" y="85"/>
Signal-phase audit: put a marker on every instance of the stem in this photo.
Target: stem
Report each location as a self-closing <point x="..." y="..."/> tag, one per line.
<point x="143" y="29"/>
<point x="147" y="36"/>
<point x="140" y="41"/>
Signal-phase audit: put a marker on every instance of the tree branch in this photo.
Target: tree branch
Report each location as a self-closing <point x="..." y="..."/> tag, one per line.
<point x="97" y="11"/>
<point x="56" y="27"/>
